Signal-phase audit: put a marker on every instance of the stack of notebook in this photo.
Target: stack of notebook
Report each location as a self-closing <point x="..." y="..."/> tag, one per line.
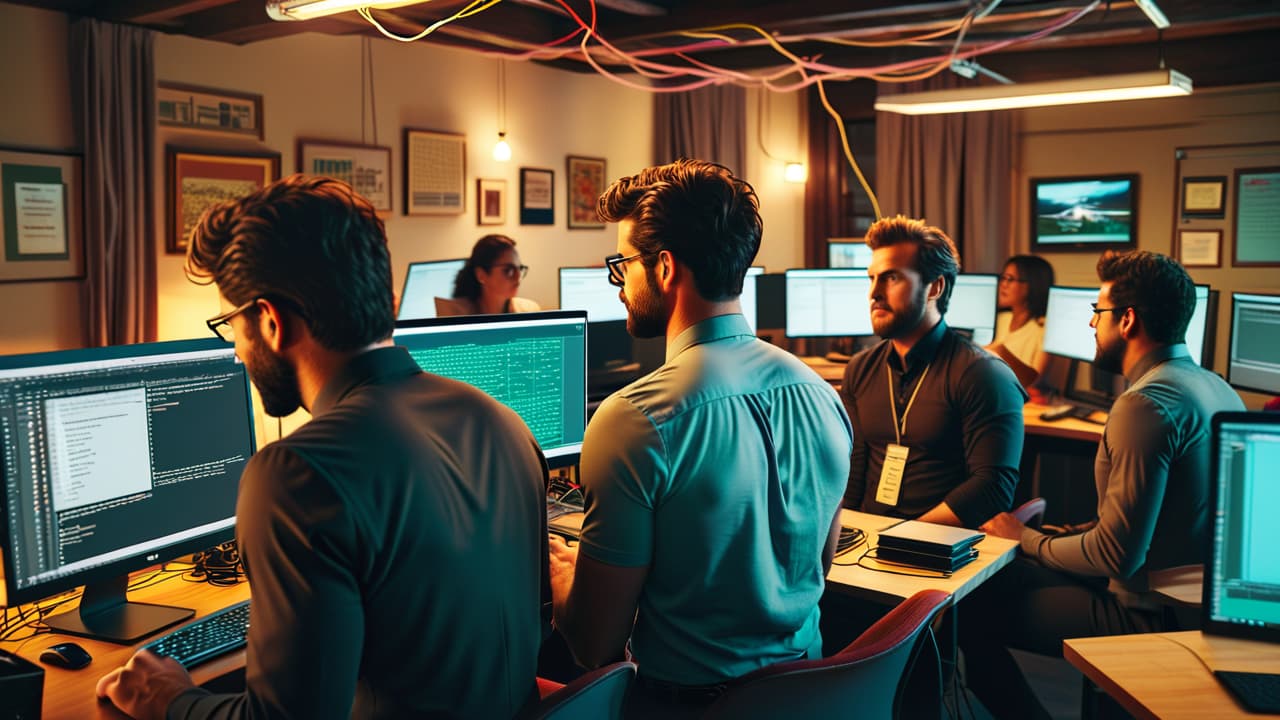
<point x="926" y="545"/>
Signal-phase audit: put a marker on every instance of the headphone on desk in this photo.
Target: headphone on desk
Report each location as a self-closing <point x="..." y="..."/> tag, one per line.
<point x="219" y="565"/>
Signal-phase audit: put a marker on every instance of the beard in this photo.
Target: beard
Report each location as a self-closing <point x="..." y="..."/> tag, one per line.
<point x="1110" y="357"/>
<point x="902" y="321"/>
<point x="275" y="378"/>
<point x="646" y="315"/>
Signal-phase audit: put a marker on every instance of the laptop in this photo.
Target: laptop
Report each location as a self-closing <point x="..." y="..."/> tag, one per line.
<point x="1242" y="575"/>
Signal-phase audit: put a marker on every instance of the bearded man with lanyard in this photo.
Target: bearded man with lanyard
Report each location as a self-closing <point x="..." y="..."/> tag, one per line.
<point x="956" y="461"/>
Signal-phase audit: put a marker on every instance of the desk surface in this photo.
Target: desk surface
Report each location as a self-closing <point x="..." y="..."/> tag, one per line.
<point x="1152" y="676"/>
<point x="70" y="693"/>
<point x="1066" y="428"/>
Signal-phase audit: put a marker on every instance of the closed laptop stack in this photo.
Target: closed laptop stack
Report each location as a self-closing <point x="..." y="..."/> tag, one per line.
<point x="926" y="545"/>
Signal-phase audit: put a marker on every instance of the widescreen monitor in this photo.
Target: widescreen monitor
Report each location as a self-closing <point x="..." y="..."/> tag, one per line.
<point x="1084" y="212"/>
<point x="1254" y="360"/>
<point x="115" y="459"/>
<point x="851" y="255"/>
<point x="1241" y="578"/>
<point x="973" y="306"/>
<point x="588" y="289"/>
<point x="1067" y="331"/>
<point x="828" y="303"/>
<point x="423" y="283"/>
<point x="534" y="363"/>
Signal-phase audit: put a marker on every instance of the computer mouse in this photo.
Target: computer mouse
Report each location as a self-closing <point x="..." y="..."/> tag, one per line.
<point x="66" y="655"/>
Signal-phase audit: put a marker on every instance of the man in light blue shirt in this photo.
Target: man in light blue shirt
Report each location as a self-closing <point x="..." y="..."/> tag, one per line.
<point x="712" y="485"/>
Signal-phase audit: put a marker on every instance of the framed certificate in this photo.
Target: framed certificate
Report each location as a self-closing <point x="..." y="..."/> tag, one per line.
<point x="1204" y="197"/>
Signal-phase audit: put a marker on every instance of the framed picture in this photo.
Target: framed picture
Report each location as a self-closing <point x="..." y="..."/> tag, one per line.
<point x="191" y="107"/>
<point x="1204" y="197"/>
<point x="537" y="196"/>
<point x="41" y="216"/>
<point x="1090" y="213"/>
<point x="491" y="202"/>
<point x="586" y="184"/>
<point x="1200" y="248"/>
<point x="366" y="168"/>
<point x="1257" y="216"/>
<point x="435" y="172"/>
<point x="197" y="180"/>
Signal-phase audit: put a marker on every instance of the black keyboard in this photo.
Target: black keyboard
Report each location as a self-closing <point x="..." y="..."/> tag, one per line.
<point x="1257" y="692"/>
<point x="206" y="638"/>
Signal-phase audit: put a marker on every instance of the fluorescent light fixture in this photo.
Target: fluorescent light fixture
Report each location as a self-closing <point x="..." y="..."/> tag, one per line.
<point x="1153" y="12"/>
<point x="308" y="9"/>
<point x="1101" y="88"/>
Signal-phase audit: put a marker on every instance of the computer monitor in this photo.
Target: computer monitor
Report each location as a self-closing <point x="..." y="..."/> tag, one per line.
<point x="588" y="289"/>
<point x="973" y="306"/>
<point x="423" y="283"/>
<point x="828" y="303"/>
<point x="1067" y="331"/>
<point x="115" y="459"/>
<point x="1254" y="360"/>
<point x="1241" y="577"/>
<point x="749" y="294"/>
<point x="534" y="363"/>
<point x="849" y="255"/>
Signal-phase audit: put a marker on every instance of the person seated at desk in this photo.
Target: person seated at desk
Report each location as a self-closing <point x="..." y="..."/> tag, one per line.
<point x="956" y="461"/>
<point x="712" y="485"/>
<point x="1023" y="298"/>
<point x="488" y="283"/>
<point x="394" y="542"/>
<point x="1152" y="478"/>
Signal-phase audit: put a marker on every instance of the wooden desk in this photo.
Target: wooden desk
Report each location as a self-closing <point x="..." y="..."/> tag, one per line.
<point x="881" y="587"/>
<point x="71" y="693"/>
<point x="1153" y="677"/>
<point x="832" y="372"/>
<point x="1064" y="429"/>
<point x="1182" y="586"/>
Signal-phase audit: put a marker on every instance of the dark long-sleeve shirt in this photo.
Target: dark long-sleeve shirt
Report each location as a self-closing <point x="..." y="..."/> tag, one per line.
<point x="964" y="429"/>
<point x="396" y="547"/>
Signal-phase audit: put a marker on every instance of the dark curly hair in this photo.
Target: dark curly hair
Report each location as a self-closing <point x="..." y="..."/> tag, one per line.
<point x="484" y="254"/>
<point x="936" y="256"/>
<point x="699" y="211"/>
<point x="310" y="243"/>
<point x="1157" y="288"/>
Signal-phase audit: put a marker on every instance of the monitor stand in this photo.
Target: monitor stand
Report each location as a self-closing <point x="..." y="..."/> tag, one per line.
<point x="105" y="614"/>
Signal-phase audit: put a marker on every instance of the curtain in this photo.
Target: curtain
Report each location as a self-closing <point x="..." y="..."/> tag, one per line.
<point x="705" y="124"/>
<point x="956" y="171"/>
<point x="113" y="86"/>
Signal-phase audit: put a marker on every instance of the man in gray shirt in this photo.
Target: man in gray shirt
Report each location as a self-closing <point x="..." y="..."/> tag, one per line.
<point x="712" y="485"/>
<point x="1152" y="478"/>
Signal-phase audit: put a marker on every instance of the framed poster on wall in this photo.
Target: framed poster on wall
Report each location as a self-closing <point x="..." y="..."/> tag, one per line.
<point x="366" y="168"/>
<point x="1257" y="219"/>
<point x="586" y="183"/>
<point x="41" y="215"/>
<point x="197" y="180"/>
<point x="435" y="172"/>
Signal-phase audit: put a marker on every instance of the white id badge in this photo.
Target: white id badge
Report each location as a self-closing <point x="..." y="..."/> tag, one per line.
<point x="895" y="463"/>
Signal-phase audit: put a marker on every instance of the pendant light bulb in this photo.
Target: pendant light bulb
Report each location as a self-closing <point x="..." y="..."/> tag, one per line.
<point x="501" y="149"/>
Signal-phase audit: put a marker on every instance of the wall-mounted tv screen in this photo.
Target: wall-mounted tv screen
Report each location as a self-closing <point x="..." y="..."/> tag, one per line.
<point x="1084" y="213"/>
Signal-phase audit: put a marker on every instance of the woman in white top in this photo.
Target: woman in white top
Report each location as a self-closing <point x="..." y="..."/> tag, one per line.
<point x="488" y="283"/>
<point x="1023" y="297"/>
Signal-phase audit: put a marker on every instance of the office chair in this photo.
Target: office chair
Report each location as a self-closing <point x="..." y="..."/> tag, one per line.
<point x="596" y="695"/>
<point x="1031" y="512"/>
<point x="890" y="670"/>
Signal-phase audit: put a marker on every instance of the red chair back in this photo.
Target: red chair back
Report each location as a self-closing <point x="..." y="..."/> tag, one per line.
<point x="597" y="695"/>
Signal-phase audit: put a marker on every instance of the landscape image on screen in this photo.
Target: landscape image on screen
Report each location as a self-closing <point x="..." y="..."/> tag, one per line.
<point x="1084" y="211"/>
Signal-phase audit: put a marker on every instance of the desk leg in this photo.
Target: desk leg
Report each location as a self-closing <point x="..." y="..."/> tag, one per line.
<point x="1096" y="704"/>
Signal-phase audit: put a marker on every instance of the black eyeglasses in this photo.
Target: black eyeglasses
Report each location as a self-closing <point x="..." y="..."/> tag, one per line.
<point x="221" y="325"/>
<point x="1098" y="311"/>
<point x="1010" y="279"/>
<point x="511" y="270"/>
<point x="615" y="262"/>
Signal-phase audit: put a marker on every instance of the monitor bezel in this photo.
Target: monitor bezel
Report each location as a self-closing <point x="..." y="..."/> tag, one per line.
<point x="1231" y="343"/>
<point x="408" y="272"/>
<point x="567" y="459"/>
<point x="1207" y="623"/>
<point x="1038" y="245"/>
<point x="17" y="596"/>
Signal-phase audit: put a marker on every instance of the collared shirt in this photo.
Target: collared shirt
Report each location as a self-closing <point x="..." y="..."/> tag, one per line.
<point x="396" y="546"/>
<point x="721" y="472"/>
<point x="1152" y="477"/>
<point x="964" y="430"/>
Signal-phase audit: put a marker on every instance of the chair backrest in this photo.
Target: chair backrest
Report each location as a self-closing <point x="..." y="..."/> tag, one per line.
<point x="597" y="695"/>
<point x="866" y="678"/>
<point x="1031" y="512"/>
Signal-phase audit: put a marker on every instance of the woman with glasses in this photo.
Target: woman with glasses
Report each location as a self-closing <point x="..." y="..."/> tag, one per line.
<point x="1023" y="296"/>
<point x="488" y="283"/>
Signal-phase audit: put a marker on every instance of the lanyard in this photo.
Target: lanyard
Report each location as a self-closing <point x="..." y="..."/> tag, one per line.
<point x="900" y="427"/>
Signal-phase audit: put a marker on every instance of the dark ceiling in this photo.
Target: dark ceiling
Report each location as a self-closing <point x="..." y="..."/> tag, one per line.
<point x="1223" y="42"/>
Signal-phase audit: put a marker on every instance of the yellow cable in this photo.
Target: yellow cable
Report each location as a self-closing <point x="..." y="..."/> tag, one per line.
<point x="474" y="7"/>
<point x="844" y="140"/>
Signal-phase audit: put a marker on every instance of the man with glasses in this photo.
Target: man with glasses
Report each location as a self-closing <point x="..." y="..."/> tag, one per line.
<point x="393" y="541"/>
<point x="1152" y="478"/>
<point x="712" y="485"/>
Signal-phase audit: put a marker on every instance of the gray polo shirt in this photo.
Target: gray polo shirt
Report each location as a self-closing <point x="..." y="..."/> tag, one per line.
<point x="721" y="472"/>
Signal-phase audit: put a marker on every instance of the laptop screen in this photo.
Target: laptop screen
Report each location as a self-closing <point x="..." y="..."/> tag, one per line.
<point x="1242" y="580"/>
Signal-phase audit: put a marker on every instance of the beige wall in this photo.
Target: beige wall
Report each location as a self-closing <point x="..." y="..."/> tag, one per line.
<point x="1141" y="137"/>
